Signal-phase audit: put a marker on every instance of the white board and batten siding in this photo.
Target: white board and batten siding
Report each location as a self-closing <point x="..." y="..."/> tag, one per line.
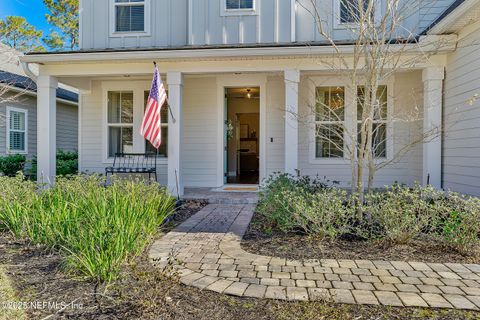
<point x="179" y="23"/>
<point x="461" y="147"/>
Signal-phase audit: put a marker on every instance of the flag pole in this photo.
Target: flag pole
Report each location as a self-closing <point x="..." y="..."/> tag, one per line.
<point x="168" y="104"/>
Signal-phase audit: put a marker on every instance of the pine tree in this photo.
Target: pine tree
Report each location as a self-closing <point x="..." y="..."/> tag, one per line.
<point x="17" y="33"/>
<point x="63" y="17"/>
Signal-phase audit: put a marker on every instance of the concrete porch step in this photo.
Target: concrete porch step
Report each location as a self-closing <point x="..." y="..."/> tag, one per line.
<point x="220" y="197"/>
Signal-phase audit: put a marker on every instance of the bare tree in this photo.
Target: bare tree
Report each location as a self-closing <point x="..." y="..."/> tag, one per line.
<point x="380" y="46"/>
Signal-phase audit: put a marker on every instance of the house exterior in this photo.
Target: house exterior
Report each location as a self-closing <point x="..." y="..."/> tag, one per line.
<point x="19" y="114"/>
<point x="236" y="72"/>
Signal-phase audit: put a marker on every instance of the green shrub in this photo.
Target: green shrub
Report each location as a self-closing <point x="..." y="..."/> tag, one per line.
<point x="67" y="164"/>
<point x="12" y="164"/>
<point x="96" y="228"/>
<point x="397" y="214"/>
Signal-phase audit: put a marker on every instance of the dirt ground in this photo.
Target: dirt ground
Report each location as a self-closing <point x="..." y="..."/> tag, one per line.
<point x="295" y="246"/>
<point x="142" y="292"/>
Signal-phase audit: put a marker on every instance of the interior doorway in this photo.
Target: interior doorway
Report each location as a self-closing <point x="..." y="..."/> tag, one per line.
<point x="242" y="135"/>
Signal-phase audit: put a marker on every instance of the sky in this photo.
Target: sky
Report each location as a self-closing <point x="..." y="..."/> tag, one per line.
<point x="33" y="10"/>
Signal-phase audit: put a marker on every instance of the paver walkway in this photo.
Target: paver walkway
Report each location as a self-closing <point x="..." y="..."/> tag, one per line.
<point x="208" y="255"/>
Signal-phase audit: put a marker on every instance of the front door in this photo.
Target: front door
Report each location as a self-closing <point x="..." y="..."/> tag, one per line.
<point x="242" y="135"/>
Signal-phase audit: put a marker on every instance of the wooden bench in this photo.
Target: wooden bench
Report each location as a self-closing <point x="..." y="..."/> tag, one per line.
<point x="134" y="163"/>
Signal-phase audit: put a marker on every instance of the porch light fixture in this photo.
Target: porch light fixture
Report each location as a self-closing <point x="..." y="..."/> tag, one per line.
<point x="249" y="95"/>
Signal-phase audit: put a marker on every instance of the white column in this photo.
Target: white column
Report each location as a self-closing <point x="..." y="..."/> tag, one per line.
<point x="292" y="78"/>
<point x="432" y="125"/>
<point x="46" y="128"/>
<point x="175" y="133"/>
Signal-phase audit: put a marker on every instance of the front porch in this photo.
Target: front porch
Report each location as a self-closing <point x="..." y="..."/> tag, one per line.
<point x="195" y="151"/>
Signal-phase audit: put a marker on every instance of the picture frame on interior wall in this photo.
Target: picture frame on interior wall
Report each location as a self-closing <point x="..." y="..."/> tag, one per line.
<point x="113" y="4"/>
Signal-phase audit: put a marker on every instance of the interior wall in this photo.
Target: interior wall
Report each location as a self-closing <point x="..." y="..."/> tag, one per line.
<point x="246" y="107"/>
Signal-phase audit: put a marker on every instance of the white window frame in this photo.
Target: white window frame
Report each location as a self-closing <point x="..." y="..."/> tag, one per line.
<point x="350" y="117"/>
<point x="146" y="20"/>
<point x="238" y="12"/>
<point x="138" y="88"/>
<point x="25" y="112"/>
<point x="349" y="25"/>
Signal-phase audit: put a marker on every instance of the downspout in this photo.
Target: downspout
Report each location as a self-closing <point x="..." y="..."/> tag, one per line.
<point x="442" y="135"/>
<point x="28" y="72"/>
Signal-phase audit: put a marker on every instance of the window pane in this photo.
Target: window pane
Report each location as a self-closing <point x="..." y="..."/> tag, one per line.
<point x="239" y="4"/>
<point x="329" y="141"/>
<point x="120" y="107"/>
<point x="163" y="111"/>
<point x="163" y="150"/>
<point x="330" y="104"/>
<point x="380" y="105"/>
<point x="17" y="141"/>
<point x="119" y="140"/>
<point x="379" y="139"/>
<point x="127" y="107"/>
<point x="17" y="121"/>
<point x="349" y="12"/>
<point x="130" y="18"/>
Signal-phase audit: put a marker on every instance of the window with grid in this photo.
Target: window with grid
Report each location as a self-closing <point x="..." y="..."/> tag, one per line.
<point x="329" y="122"/>
<point x="129" y="15"/>
<point x="380" y="105"/>
<point x="163" y="150"/>
<point x="350" y="10"/>
<point x="17" y="131"/>
<point x="120" y="122"/>
<point x="239" y="4"/>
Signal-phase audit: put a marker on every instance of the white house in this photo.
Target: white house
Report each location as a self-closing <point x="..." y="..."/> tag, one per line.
<point x="236" y="69"/>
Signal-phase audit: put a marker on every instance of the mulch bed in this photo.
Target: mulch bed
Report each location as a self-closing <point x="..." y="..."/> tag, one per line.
<point x="297" y="246"/>
<point x="142" y="292"/>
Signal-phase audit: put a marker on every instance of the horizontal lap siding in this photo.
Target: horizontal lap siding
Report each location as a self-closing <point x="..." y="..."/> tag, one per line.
<point x="199" y="147"/>
<point x="461" y="162"/>
<point x="67" y="127"/>
<point x="275" y="123"/>
<point x="406" y="168"/>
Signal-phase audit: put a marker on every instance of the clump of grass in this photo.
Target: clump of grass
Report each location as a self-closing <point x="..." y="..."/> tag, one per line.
<point x="98" y="229"/>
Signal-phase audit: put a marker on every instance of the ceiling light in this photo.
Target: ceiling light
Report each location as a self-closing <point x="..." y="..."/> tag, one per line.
<point x="249" y="95"/>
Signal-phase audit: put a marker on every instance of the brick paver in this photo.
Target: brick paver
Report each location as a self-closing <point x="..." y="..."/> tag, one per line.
<point x="205" y="252"/>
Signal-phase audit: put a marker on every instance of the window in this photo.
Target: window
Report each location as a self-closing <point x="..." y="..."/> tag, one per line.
<point x="163" y="150"/>
<point x="17" y="130"/>
<point x="239" y="4"/>
<point x="329" y="122"/>
<point x="379" y="143"/>
<point x="129" y="15"/>
<point x="120" y="122"/>
<point x="349" y="11"/>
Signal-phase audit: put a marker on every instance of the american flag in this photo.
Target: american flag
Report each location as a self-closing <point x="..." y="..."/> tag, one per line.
<point x="151" y="128"/>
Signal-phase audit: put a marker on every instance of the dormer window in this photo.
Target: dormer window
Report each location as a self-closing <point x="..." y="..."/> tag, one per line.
<point x="129" y="15"/>
<point x="239" y="4"/>
<point x="348" y="12"/>
<point x="238" y="7"/>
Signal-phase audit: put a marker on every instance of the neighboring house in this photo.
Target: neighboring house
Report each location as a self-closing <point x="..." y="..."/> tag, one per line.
<point x="235" y="69"/>
<point x="18" y="111"/>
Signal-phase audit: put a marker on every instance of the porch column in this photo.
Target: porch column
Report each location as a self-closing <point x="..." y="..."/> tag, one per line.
<point x="432" y="126"/>
<point x="46" y="128"/>
<point x="175" y="132"/>
<point x="292" y="78"/>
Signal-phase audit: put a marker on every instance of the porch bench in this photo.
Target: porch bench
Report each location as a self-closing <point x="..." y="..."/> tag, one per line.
<point x="134" y="163"/>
